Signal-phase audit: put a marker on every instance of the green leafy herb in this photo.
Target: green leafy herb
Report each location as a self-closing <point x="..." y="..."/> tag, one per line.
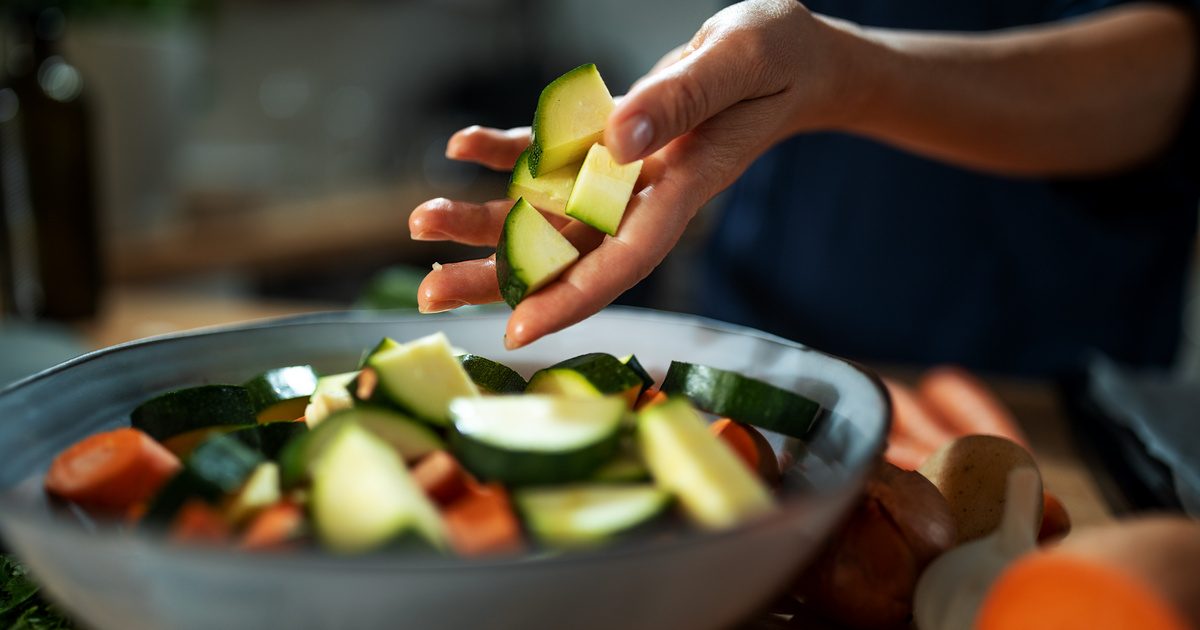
<point x="21" y="608"/>
<point x="42" y="617"/>
<point x="15" y="586"/>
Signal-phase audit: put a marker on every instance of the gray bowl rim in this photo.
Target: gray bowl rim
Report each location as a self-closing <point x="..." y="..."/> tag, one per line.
<point x="790" y="507"/>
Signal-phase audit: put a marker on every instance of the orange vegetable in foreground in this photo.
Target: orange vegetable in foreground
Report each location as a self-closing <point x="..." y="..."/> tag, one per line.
<point x="274" y="528"/>
<point x="651" y="396"/>
<point x="442" y="477"/>
<point x="111" y="471"/>
<point x="199" y="522"/>
<point x="482" y="522"/>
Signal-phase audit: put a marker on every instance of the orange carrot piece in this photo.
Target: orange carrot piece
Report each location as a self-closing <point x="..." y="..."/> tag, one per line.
<point x="751" y="447"/>
<point x="903" y="452"/>
<point x="1056" y="523"/>
<point x="1046" y="591"/>
<point x="967" y="405"/>
<point x="274" y="529"/>
<point x="441" y="477"/>
<point x="914" y="420"/>
<point x="650" y="397"/>
<point x="111" y="471"/>
<point x="482" y="522"/>
<point x="200" y="523"/>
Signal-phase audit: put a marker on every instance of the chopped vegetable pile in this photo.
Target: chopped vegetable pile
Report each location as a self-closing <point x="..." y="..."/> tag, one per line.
<point x="428" y="450"/>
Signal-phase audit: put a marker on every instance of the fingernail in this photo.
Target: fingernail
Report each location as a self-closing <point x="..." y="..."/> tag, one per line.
<point x="636" y="134"/>
<point x="509" y="342"/>
<point x="442" y="306"/>
<point x="430" y="235"/>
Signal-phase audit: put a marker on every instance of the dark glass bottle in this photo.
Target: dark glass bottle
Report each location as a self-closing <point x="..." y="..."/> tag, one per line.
<point x="47" y="193"/>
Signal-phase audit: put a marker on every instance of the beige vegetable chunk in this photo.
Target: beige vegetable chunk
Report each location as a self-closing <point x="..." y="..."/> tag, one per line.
<point x="972" y="473"/>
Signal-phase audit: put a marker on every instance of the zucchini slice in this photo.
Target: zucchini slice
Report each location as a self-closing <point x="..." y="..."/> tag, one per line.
<point x="194" y="408"/>
<point x="387" y="343"/>
<point x="270" y="438"/>
<point x="491" y="376"/>
<point x="363" y="496"/>
<point x="570" y="117"/>
<point x="421" y="377"/>
<point x="535" y="439"/>
<point x="282" y="393"/>
<point x="586" y="515"/>
<point x="588" y="375"/>
<point x="624" y="468"/>
<point x="530" y="254"/>
<point x="602" y="190"/>
<point x="549" y="192"/>
<point x="716" y="489"/>
<point x="742" y="398"/>
<point x="410" y="439"/>
<point x="331" y="394"/>
<point x="216" y="468"/>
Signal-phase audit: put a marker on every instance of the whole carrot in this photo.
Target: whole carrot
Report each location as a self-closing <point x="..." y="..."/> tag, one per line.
<point x="967" y="405"/>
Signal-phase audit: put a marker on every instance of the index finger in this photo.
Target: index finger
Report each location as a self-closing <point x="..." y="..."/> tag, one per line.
<point x="496" y="149"/>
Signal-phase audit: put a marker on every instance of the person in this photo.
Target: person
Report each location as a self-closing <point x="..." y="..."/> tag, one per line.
<point x="1007" y="184"/>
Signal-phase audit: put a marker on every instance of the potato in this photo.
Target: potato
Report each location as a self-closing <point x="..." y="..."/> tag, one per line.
<point x="971" y="473"/>
<point x="866" y="574"/>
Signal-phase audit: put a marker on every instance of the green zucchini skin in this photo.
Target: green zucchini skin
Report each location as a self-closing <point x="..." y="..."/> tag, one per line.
<point x="524" y="467"/>
<point x="512" y="288"/>
<point x="219" y="466"/>
<point x="632" y="363"/>
<point x="270" y="438"/>
<point x="194" y="408"/>
<point x="280" y="385"/>
<point x="742" y="398"/>
<point x="492" y="376"/>
<point x="604" y="372"/>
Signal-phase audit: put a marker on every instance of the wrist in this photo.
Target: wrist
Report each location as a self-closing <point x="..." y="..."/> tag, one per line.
<point x="859" y="65"/>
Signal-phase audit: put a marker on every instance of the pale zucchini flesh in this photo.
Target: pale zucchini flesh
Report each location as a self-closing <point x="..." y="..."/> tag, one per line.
<point x="602" y="190"/>
<point x="530" y="254"/>
<point x="422" y="377"/>
<point x="549" y="192"/>
<point x="585" y="515"/>
<point x="571" y="114"/>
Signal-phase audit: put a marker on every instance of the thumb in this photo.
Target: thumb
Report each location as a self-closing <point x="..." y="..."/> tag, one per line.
<point x="667" y="104"/>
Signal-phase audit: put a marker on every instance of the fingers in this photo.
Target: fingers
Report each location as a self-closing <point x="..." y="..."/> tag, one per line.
<point x="460" y="221"/>
<point x="494" y="148"/>
<point x="669" y="103"/>
<point x="459" y="284"/>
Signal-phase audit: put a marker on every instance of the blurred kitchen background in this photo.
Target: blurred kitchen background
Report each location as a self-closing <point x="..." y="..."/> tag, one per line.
<point x="260" y="157"/>
<point x="269" y="152"/>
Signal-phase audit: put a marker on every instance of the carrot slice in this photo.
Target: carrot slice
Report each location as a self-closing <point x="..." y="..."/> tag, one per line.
<point x="1046" y="591"/>
<point x="914" y="421"/>
<point x="274" y="529"/>
<point x="441" y="477"/>
<point x="482" y="522"/>
<point x="652" y="396"/>
<point x="111" y="471"/>
<point x="751" y="447"/>
<point x="904" y="453"/>
<point x="967" y="405"/>
<point x="1056" y="523"/>
<point x="199" y="522"/>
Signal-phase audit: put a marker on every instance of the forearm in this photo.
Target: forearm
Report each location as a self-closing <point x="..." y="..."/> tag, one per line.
<point x="1092" y="95"/>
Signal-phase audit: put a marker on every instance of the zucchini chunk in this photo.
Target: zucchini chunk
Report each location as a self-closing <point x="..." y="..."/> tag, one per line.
<point x="410" y="439"/>
<point x="534" y="439"/>
<point x="421" y="377"/>
<point x="216" y="468"/>
<point x="602" y="190"/>
<point x="742" y="398"/>
<point x="570" y="117"/>
<point x="270" y="438"/>
<point x="636" y="366"/>
<point x="491" y="376"/>
<point x="282" y="393"/>
<point x="363" y="496"/>
<point x="624" y="468"/>
<point x="549" y="192"/>
<point x="588" y="375"/>
<point x="185" y="410"/>
<point x="714" y="487"/>
<point x="331" y="394"/>
<point x="260" y="491"/>
<point x="530" y="254"/>
<point x="585" y="515"/>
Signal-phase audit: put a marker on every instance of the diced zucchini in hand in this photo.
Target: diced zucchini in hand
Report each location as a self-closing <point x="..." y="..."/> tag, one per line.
<point x="571" y="114"/>
<point x="584" y="515"/>
<point x="530" y="254"/>
<point x="422" y="377"/>
<point x="363" y="496"/>
<point x="548" y="193"/>
<point x="714" y="487"/>
<point x="533" y="439"/>
<point x="602" y="190"/>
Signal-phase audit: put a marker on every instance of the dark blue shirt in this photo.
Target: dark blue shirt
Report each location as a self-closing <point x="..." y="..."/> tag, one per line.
<point x="866" y="251"/>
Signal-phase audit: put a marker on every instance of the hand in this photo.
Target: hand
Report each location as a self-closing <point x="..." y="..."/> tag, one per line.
<point x="755" y="73"/>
